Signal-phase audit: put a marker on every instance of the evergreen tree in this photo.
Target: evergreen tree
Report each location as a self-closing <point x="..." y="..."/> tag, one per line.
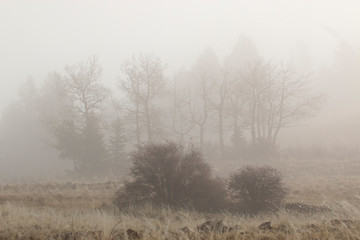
<point x="93" y="154"/>
<point x="116" y="147"/>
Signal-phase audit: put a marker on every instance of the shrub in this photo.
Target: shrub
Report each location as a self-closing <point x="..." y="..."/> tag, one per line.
<point x="256" y="189"/>
<point x="167" y="174"/>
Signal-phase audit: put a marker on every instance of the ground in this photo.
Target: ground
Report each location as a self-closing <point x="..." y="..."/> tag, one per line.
<point x="79" y="210"/>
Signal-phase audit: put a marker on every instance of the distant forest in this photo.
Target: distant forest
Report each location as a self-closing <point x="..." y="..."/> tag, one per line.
<point x="231" y="110"/>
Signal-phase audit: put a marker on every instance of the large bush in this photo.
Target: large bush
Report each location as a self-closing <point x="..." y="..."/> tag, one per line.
<point x="167" y="174"/>
<point x="256" y="189"/>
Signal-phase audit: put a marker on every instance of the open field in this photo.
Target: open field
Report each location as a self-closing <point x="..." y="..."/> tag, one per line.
<point x="76" y="210"/>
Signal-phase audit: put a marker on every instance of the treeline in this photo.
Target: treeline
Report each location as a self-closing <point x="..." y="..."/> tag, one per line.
<point x="242" y="104"/>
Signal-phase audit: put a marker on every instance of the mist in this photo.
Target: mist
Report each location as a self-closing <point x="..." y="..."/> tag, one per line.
<point x="44" y="42"/>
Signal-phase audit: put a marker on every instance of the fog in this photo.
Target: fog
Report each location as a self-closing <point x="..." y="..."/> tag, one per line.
<point x="37" y="38"/>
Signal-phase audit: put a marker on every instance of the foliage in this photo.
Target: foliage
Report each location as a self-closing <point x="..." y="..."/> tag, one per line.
<point x="167" y="174"/>
<point x="78" y="134"/>
<point x="85" y="146"/>
<point x="256" y="189"/>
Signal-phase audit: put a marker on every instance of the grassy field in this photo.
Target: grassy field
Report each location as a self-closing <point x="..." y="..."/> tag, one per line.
<point x="77" y="210"/>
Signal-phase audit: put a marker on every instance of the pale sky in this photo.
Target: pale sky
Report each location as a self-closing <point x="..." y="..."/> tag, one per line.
<point x="37" y="37"/>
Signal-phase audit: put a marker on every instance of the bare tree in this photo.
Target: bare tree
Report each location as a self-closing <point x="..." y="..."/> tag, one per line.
<point x="78" y="133"/>
<point x="256" y="88"/>
<point x="131" y="87"/>
<point x="204" y="76"/>
<point x="82" y="84"/>
<point x="143" y="83"/>
<point x="181" y="125"/>
<point x="278" y="98"/>
<point x="294" y="103"/>
<point x="218" y="101"/>
<point x="235" y="104"/>
<point x="199" y="108"/>
<point x="243" y="53"/>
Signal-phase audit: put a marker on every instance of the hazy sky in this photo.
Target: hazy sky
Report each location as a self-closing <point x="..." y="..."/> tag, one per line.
<point x="37" y="37"/>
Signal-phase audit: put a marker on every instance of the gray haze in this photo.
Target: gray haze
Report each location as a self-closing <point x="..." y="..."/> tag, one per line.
<point x="322" y="36"/>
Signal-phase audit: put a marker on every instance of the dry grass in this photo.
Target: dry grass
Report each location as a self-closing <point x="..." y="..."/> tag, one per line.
<point x="57" y="195"/>
<point x="85" y="211"/>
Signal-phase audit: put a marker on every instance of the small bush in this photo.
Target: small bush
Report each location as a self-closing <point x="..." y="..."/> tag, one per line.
<point x="257" y="189"/>
<point x="167" y="174"/>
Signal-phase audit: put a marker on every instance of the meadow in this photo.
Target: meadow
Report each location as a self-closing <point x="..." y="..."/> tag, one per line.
<point x="323" y="203"/>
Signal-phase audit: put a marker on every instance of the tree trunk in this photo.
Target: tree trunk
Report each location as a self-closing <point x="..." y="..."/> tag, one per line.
<point x="148" y="122"/>
<point x="221" y="133"/>
<point x="253" y="114"/>
<point x="202" y="137"/>
<point x="281" y="110"/>
<point x="137" y="119"/>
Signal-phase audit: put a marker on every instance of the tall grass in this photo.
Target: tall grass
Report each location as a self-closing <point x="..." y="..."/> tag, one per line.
<point x="58" y="216"/>
<point x="77" y="210"/>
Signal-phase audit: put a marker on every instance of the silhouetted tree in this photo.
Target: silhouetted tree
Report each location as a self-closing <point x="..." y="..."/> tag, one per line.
<point x="277" y="98"/>
<point x="204" y="74"/>
<point x="243" y="54"/>
<point x="78" y="132"/>
<point x="143" y="84"/>
<point x="218" y="101"/>
<point x="83" y="87"/>
<point x="22" y="135"/>
<point x="116" y="147"/>
<point x="181" y="121"/>
<point x="94" y="159"/>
